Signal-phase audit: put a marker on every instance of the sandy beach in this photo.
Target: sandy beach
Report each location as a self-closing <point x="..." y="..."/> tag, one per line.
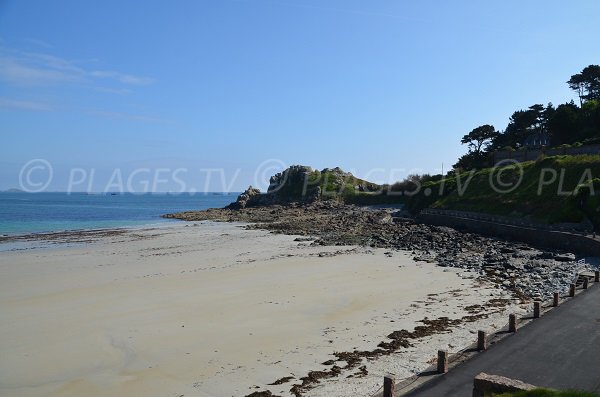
<point x="213" y="309"/>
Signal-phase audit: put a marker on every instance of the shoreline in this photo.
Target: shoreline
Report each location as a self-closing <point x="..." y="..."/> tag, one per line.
<point x="52" y="233"/>
<point x="409" y="320"/>
<point x="72" y="237"/>
<point x="286" y="307"/>
<point x="47" y="212"/>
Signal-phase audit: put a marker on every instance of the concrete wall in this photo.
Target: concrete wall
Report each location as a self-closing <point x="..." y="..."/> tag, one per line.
<point x="578" y="244"/>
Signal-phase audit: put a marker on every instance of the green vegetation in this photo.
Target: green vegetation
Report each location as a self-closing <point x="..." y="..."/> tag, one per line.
<point x="557" y="189"/>
<point x="299" y="183"/>
<point x="335" y="183"/>
<point x="397" y="193"/>
<point x="551" y="189"/>
<point x="548" y="393"/>
<point x="338" y="185"/>
<point x="539" y="125"/>
<point x="586" y="83"/>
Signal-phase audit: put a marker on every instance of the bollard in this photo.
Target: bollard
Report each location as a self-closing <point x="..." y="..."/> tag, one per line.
<point x="572" y="290"/>
<point x="585" y="283"/>
<point x="481" y="341"/>
<point x="389" y="386"/>
<point x="442" y="363"/>
<point x="555" y="300"/>
<point x="537" y="308"/>
<point x="597" y="276"/>
<point x="512" y="323"/>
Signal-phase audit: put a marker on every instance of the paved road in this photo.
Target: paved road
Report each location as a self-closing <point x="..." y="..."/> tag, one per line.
<point x="561" y="350"/>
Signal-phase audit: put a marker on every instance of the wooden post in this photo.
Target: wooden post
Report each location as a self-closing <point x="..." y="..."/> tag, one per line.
<point x="585" y="283"/>
<point x="389" y="386"/>
<point x="481" y="340"/>
<point x="597" y="276"/>
<point x="556" y="299"/>
<point x="537" y="308"/>
<point x="512" y="323"/>
<point x="442" y="363"/>
<point x="572" y="290"/>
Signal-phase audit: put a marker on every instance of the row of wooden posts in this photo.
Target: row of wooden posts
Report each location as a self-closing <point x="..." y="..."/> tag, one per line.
<point x="389" y="382"/>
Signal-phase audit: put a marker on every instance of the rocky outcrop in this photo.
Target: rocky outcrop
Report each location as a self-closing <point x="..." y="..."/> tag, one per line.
<point x="301" y="184"/>
<point x="295" y="174"/>
<point x="298" y="183"/>
<point x="249" y="195"/>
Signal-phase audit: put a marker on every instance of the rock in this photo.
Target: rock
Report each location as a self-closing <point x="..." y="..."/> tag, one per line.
<point x="296" y="174"/>
<point x="545" y="255"/>
<point x="335" y="223"/>
<point x="567" y="257"/>
<point x="304" y="239"/>
<point x="507" y="250"/>
<point x="244" y="198"/>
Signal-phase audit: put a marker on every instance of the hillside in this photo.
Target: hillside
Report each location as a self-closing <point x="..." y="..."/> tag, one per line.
<point x="550" y="190"/>
<point x="559" y="189"/>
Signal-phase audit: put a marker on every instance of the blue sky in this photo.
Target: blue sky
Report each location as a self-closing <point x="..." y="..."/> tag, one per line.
<point x="382" y="88"/>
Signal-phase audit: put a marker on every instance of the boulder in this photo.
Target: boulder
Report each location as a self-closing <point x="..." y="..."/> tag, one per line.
<point x="243" y="199"/>
<point x="568" y="257"/>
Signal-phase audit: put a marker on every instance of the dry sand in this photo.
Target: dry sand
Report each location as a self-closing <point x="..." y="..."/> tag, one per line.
<point x="212" y="309"/>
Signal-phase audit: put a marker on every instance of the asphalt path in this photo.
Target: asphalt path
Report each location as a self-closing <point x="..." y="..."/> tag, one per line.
<point x="560" y="350"/>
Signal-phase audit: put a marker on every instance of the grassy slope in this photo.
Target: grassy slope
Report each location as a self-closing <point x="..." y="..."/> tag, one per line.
<point x="559" y="201"/>
<point x="548" y="204"/>
<point x="333" y="187"/>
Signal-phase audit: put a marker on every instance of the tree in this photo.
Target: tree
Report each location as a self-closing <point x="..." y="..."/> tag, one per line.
<point x="472" y="160"/>
<point x="479" y="138"/>
<point x="586" y="83"/>
<point x="589" y="119"/>
<point x="525" y="123"/>
<point x="547" y="115"/>
<point x="563" y="126"/>
<point x="519" y="126"/>
<point x="570" y="123"/>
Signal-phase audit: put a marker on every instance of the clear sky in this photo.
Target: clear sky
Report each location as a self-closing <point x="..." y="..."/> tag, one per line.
<point x="381" y="88"/>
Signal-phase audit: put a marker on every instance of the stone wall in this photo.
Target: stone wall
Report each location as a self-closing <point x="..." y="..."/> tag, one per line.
<point x="575" y="243"/>
<point x="533" y="154"/>
<point x="585" y="227"/>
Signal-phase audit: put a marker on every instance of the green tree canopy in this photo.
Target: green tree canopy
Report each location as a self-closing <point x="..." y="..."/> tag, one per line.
<point x="564" y="124"/>
<point x="479" y="138"/>
<point x="586" y="83"/>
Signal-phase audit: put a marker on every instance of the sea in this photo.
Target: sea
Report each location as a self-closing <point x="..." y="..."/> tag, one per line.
<point x="24" y="213"/>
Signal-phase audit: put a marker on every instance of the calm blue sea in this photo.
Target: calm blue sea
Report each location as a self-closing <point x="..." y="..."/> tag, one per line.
<point x="22" y="213"/>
